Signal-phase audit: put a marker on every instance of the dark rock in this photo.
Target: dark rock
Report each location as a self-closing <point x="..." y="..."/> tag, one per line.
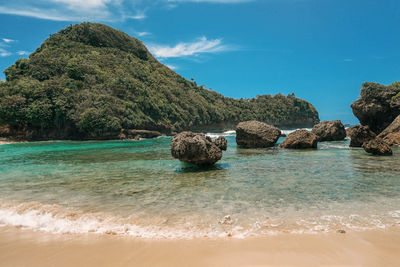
<point x="221" y="142"/>
<point x="255" y="134"/>
<point x="340" y="231"/>
<point x="197" y="148"/>
<point x="377" y="147"/>
<point x="137" y="134"/>
<point x="329" y="131"/>
<point x="391" y="135"/>
<point x="359" y="135"/>
<point x="392" y="139"/>
<point x="378" y="105"/>
<point x="300" y="139"/>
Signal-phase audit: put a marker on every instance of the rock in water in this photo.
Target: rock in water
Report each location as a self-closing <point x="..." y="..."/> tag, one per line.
<point x="197" y="148"/>
<point x="359" y="135"/>
<point x="391" y="135"/>
<point x="378" y="105"/>
<point x="329" y="131"/>
<point x="221" y="142"/>
<point x="377" y="147"/>
<point x="300" y="139"/>
<point x="392" y="139"/>
<point x="255" y="134"/>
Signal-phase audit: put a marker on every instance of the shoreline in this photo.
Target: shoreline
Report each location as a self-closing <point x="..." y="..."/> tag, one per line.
<point x="369" y="248"/>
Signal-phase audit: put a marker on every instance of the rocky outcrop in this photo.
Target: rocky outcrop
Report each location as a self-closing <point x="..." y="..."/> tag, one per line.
<point x="391" y="134"/>
<point x="377" y="147"/>
<point x="359" y="135"/>
<point x="329" y="131"/>
<point x="255" y="134"/>
<point x="197" y="148"/>
<point x="221" y="142"/>
<point x="300" y="139"/>
<point x="137" y="134"/>
<point x="378" y="105"/>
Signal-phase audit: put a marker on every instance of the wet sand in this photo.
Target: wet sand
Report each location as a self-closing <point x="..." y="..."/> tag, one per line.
<point x="370" y="248"/>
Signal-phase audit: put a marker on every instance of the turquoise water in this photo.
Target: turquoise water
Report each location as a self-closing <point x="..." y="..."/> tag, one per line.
<point x="136" y="188"/>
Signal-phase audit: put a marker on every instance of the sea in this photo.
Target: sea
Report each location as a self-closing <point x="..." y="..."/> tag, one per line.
<point x="137" y="189"/>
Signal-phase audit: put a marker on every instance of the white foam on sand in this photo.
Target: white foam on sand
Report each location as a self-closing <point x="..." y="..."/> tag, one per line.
<point x="56" y="219"/>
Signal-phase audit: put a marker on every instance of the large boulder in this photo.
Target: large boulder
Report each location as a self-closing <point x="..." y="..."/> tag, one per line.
<point x="300" y="139"/>
<point x="378" y="105"/>
<point x="255" y="134"/>
<point x="197" y="148"/>
<point x="391" y="134"/>
<point x="377" y="147"/>
<point x="329" y="131"/>
<point x="392" y="139"/>
<point x="359" y="135"/>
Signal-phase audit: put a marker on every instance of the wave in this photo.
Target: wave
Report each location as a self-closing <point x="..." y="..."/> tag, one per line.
<point x="59" y="220"/>
<point x="225" y="134"/>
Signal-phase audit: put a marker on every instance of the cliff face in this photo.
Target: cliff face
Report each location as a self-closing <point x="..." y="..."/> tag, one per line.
<point x="90" y="81"/>
<point x="378" y="105"/>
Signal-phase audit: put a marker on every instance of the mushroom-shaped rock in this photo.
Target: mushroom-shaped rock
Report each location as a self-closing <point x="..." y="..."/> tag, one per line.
<point x="197" y="148"/>
<point x="300" y="139"/>
<point x="329" y="131"/>
<point x="391" y="135"/>
<point x="377" y="147"/>
<point x="359" y="135"/>
<point x="255" y="134"/>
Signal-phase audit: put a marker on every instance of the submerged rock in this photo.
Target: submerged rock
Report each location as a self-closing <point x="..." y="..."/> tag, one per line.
<point x="377" y="147"/>
<point x="329" y="131"/>
<point x="300" y="139"/>
<point x="255" y="134"/>
<point x="197" y="148"/>
<point x="359" y="135"/>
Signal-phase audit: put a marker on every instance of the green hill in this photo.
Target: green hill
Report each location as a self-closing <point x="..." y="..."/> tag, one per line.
<point x="90" y="81"/>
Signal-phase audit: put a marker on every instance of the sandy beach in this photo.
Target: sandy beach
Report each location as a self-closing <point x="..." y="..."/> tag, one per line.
<point x="370" y="248"/>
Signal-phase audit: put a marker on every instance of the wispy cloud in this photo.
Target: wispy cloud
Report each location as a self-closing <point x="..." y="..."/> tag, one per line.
<point x="348" y="60"/>
<point x="211" y="1"/>
<point x="93" y="10"/>
<point x="4" y="53"/>
<point x="8" y="40"/>
<point x="199" y="46"/>
<point x="172" y="67"/>
<point x="71" y="10"/>
<point x="23" y="53"/>
<point x="141" y="34"/>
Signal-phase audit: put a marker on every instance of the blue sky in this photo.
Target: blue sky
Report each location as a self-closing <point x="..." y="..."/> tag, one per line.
<point x="322" y="50"/>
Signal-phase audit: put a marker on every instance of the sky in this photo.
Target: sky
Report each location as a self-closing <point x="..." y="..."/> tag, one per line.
<point x="321" y="50"/>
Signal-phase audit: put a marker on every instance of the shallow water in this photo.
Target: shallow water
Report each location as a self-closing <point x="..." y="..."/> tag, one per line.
<point x="136" y="188"/>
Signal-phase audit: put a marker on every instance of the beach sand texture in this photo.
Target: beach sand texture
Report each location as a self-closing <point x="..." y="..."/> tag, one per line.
<point x="370" y="248"/>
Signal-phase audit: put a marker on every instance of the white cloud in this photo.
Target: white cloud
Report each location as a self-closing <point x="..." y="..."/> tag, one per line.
<point x="172" y="67"/>
<point x="71" y="10"/>
<point x="4" y="53"/>
<point x="93" y="10"/>
<point x="23" y="53"/>
<point x="348" y="60"/>
<point x="211" y="1"/>
<point x="7" y="40"/>
<point x="201" y="45"/>
<point x="141" y="34"/>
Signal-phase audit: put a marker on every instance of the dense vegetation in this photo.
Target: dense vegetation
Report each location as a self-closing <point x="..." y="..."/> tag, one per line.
<point x="91" y="81"/>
